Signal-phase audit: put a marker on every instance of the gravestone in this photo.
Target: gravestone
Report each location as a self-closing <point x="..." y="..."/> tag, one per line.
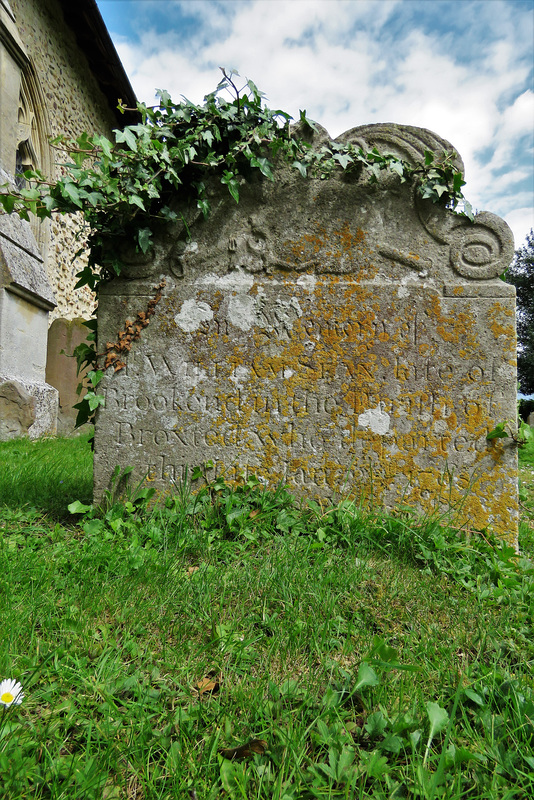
<point x="64" y="335"/>
<point x="347" y="339"/>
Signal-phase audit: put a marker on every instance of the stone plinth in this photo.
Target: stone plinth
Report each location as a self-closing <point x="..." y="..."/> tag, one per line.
<point x="346" y="339"/>
<point x="25" y="302"/>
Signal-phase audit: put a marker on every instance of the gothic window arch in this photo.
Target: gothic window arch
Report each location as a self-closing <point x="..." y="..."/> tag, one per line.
<point x="33" y="148"/>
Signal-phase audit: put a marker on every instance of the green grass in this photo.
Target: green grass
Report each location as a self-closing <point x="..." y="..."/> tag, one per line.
<point x="526" y="490"/>
<point x="364" y="655"/>
<point x="46" y="473"/>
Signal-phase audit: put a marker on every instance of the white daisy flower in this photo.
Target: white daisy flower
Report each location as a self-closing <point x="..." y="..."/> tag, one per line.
<point x="11" y="693"/>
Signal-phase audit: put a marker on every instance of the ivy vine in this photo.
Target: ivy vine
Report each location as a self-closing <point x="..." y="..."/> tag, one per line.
<point x="124" y="188"/>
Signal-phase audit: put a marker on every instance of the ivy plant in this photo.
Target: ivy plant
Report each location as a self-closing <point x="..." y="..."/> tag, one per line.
<point x="123" y="188"/>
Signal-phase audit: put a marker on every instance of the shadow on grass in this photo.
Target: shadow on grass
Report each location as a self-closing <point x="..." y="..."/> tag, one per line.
<point x="46" y="474"/>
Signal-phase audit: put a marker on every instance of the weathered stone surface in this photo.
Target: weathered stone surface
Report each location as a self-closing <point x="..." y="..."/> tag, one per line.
<point x="21" y="262"/>
<point x="25" y="302"/>
<point x="344" y="338"/>
<point x="17" y="410"/>
<point x="45" y="399"/>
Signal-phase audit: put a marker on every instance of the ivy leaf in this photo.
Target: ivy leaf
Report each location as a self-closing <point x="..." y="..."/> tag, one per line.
<point x="94" y="198"/>
<point x="33" y="194"/>
<point x="458" y="181"/>
<point x="468" y="210"/>
<point x="95" y="376"/>
<point x="71" y="192"/>
<point x="498" y="432"/>
<point x="255" y="91"/>
<point x="84" y="413"/>
<point x="440" y="189"/>
<point x="208" y="137"/>
<point x="8" y="202"/>
<point x="344" y="160"/>
<point x="264" y="166"/>
<point x="127" y="136"/>
<point x="164" y="97"/>
<point x="135" y="200"/>
<point x="526" y="432"/>
<point x="95" y="400"/>
<point x="229" y="180"/>
<point x="308" y="123"/>
<point x="104" y="144"/>
<point x="204" y="206"/>
<point x="86" y="277"/>
<point x="49" y="203"/>
<point x="144" y="236"/>
<point x="397" y="167"/>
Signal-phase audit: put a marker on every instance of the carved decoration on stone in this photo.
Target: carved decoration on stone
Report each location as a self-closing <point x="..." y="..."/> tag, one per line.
<point x="256" y="243"/>
<point x="403" y="141"/>
<point x="249" y="250"/>
<point x="420" y="265"/>
<point x="479" y="250"/>
<point x="483" y="249"/>
<point x="167" y="254"/>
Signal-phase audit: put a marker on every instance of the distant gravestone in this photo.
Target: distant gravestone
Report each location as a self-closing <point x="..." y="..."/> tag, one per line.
<point x="347" y="339"/>
<point x="64" y="335"/>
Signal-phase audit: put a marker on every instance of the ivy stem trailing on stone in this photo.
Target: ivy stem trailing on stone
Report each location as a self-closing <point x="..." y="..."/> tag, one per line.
<point x="519" y="433"/>
<point x="125" y="187"/>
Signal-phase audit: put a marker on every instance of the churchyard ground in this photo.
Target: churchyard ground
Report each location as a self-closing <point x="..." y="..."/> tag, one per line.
<point x="235" y="644"/>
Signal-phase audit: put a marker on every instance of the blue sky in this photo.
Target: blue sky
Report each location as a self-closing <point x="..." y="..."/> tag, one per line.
<point x="463" y="68"/>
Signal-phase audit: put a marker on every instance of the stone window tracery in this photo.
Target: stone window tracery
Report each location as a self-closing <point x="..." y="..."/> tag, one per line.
<point x="33" y="148"/>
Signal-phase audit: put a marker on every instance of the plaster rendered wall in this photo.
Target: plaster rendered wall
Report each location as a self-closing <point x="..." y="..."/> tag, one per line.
<point x="74" y="103"/>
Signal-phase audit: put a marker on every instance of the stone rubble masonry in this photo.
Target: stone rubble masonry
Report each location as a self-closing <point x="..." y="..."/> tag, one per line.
<point x="73" y="103"/>
<point x="347" y="339"/>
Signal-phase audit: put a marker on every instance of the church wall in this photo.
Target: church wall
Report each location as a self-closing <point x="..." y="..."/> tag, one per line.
<point x="72" y="102"/>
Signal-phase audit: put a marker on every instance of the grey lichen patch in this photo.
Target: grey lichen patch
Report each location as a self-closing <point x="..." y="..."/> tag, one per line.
<point x="242" y="312"/>
<point x="375" y="419"/>
<point x="192" y="314"/>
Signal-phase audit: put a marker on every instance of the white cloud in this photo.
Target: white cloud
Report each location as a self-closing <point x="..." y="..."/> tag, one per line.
<point x="521" y="221"/>
<point x="352" y="63"/>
